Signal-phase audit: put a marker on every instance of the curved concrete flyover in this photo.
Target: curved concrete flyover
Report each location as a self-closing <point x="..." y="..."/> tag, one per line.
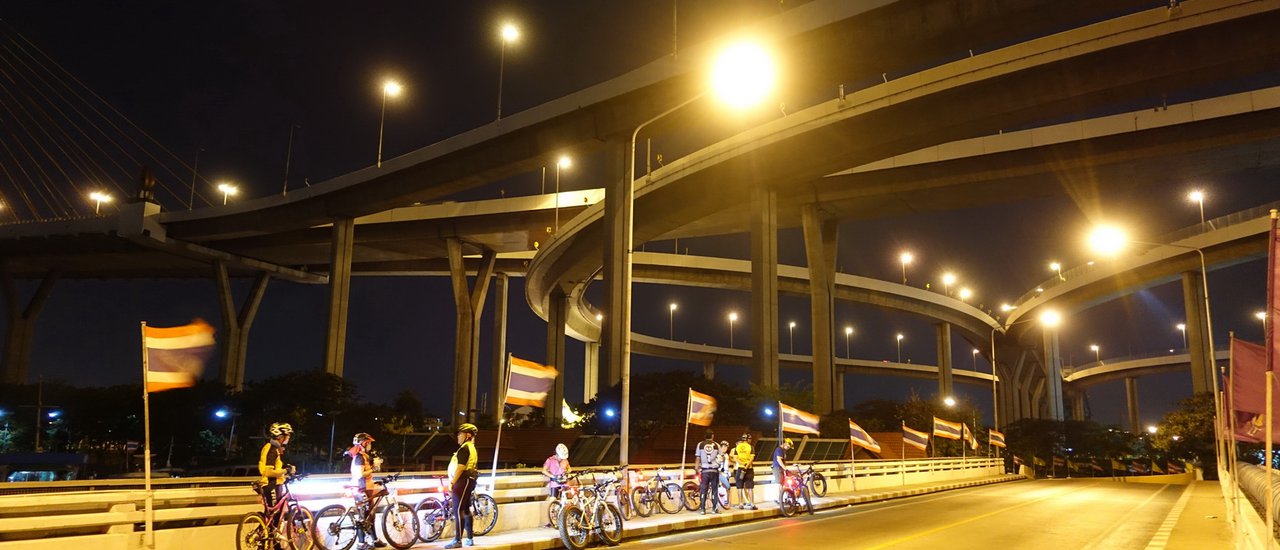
<point x="1092" y="374"/>
<point x="1106" y="63"/>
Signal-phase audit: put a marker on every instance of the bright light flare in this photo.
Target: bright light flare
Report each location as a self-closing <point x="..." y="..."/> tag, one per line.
<point x="1094" y="347"/>
<point x="965" y="293"/>
<point x="906" y="258"/>
<point x="1006" y="308"/>
<point x="564" y="162"/>
<point x="848" y="330"/>
<point x="949" y="401"/>
<point x="1107" y="239"/>
<point x="228" y="189"/>
<point x="733" y="316"/>
<point x="1180" y="326"/>
<point x="743" y="75"/>
<point x="392" y="88"/>
<point x="1055" y="266"/>
<point x="1260" y="315"/>
<point x="98" y="196"/>
<point x="900" y="336"/>
<point x="674" y="306"/>
<point x="510" y="33"/>
<point x="1151" y="429"/>
<point x="1196" y="196"/>
<point x="221" y="413"/>
<point x="1050" y="318"/>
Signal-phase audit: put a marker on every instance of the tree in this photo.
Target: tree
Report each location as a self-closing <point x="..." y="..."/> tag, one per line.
<point x="1186" y="433"/>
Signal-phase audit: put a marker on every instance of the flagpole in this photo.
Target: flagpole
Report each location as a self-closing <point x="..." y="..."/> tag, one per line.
<point x="149" y="513"/>
<point x="1267" y="323"/>
<point x="684" y="449"/>
<point x="1231" y="419"/>
<point x="502" y="413"/>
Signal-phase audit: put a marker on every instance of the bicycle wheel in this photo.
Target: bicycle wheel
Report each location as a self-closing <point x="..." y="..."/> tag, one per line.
<point x="624" y="503"/>
<point x="298" y="527"/>
<point x="334" y="529"/>
<point x="484" y="510"/>
<point x="252" y="532"/>
<point x="432" y="517"/>
<point x="400" y="525"/>
<point x="670" y="498"/>
<point x="722" y="495"/>
<point x="553" y="513"/>
<point x="691" y="496"/>
<point x="788" y="506"/>
<point x="819" y="485"/>
<point x="808" y="499"/>
<point x="609" y="523"/>
<point x="575" y="527"/>
<point x="642" y="501"/>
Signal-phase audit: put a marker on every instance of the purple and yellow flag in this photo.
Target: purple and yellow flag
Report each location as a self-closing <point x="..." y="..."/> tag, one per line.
<point x="919" y="440"/>
<point x="996" y="438"/>
<point x="861" y="438"/>
<point x="797" y="421"/>
<point x="702" y="408"/>
<point x="529" y="383"/>
<point x="946" y="429"/>
<point x="176" y="355"/>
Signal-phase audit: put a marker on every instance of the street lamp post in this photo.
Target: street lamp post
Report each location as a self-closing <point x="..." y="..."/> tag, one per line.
<point x="509" y="34"/>
<point x="98" y="197"/>
<point x="333" y="423"/>
<point x="231" y="436"/>
<point x="848" y="331"/>
<point x="564" y="162"/>
<point x="743" y="75"/>
<point x="948" y="279"/>
<point x="791" y="335"/>
<point x="1182" y="327"/>
<point x="1057" y="268"/>
<point x="975" y="359"/>
<point x="1097" y="353"/>
<point x="905" y="258"/>
<point x="390" y="88"/>
<point x="227" y="190"/>
<point x="671" y="321"/>
<point x="899" y="347"/>
<point x="733" y="316"/>
<point x="1197" y="196"/>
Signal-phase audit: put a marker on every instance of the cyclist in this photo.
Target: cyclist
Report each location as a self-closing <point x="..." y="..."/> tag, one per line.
<point x="708" y="461"/>
<point x="272" y="468"/>
<point x="462" y="475"/>
<point x="362" y="467"/>
<point x="555" y="468"/>
<point x="780" y="465"/>
<point x="744" y="472"/>
<point x="726" y="471"/>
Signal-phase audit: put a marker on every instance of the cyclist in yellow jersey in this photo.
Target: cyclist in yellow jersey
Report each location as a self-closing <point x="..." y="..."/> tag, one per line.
<point x="271" y="464"/>
<point x="462" y="476"/>
<point x="744" y="472"/>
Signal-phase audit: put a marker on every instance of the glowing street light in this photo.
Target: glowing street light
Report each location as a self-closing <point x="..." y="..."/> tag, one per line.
<point x="1107" y="239"/>
<point x="227" y="190"/>
<point x="1050" y="318"/>
<point x="905" y="258"/>
<point x="731" y="87"/>
<point x="1097" y="352"/>
<point x="1260" y="315"/>
<point x="1197" y="196"/>
<point x="899" y="340"/>
<point x="733" y="317"/>
<point x="671" y="320"/>
<point x="949" y="401"/>
<point x="98" y="197"/>
<point x="1057" y="268"/>
<point x="1183" y="328"/>
<point x="791" y="335"/>
<point x="1006" y="308"/>
<point x="1151" y="429"/>
<point x="510" y="33"/>
<point x="599" y="317"/>
<point x="948" y="279"/>
<point x="965" y="293"/>
<point x="562" y="163"/>
<point x="390" y="88"/>
<point x="848" y="331"/>
<point x="975" y="359"/>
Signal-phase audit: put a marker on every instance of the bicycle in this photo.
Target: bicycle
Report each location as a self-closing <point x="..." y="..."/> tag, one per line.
<point x="434" y="515"/>
<point x="568" y="493"/>
<point x="794" y="491"/>
<point x="658" y="490"/>
<point x="693" y="494"/>
<point x="283" y="522"/>
<point x="595" y="515"/>
<point x="815" y="480"/>
<point x="337" y="527"/>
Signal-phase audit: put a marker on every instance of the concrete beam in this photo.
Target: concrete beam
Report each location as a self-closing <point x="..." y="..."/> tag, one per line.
<point x="21" y="326"/>
<point x="498" y="363"/>
<point x="820" y="250"/>
<point x="1131" y="397"/>
<point x="945" y="388"/>
<point x="556" y="311"/>
<point x="340" y="254"/>
<point x="590" y="371"/>
<point x="1053" y="374"/>
<point x="764" y="287"/>
<point x="1197" y="332"/>
<point x="236" y="323"/>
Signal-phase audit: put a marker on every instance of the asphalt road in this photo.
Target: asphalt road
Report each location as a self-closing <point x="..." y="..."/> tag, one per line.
<point x="1038" y="515"/>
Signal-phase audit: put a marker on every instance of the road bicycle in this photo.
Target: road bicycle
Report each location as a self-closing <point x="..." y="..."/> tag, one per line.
<point x="434" y="515"/>
<point x="285" y="523"/>
<point x="337" y="527"/>
<point x="795" y="493"/>
<point x="656" y="491"/>
<point x="591" y="515"/>
<point x="815" y="480"/>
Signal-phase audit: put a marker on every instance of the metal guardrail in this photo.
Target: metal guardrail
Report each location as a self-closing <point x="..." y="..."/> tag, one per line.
<point x="1253" y="482"/>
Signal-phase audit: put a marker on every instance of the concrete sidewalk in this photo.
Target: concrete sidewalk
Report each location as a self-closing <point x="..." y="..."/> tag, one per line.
<point x="1197" y="522"/>
<point x="545" y="538"/>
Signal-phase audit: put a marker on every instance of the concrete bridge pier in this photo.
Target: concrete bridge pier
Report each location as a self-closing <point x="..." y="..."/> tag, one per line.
<point x="498" y="363"/>
<point x="1053" y="374"/>
<point x="764" y="288"/>
<point x="945" y="388"/>
<point x="236" y="323"/>
<point x="557" y="316"/>
<point x="1131" y="395"/>
<point x="340" y="251"/>
<point x="21" y="327"/>
<point x="1077" y="406"/>
<point x="590" y="371"/>
<point x="468" y="302"/>
<point x="709" y="370"/>
<point x="820" y="250"/>
<point x="618" y="214"/>
<point x="838" y="391"/>
<point x="1202" y="364"/>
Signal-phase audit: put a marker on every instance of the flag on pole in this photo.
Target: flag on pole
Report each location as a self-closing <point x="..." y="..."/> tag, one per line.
<point x="1247" y="385"/>
<point x="1155" y="468"/>
<point x="946" y="429"/>
<point x="1058" y="461"/>
<point x="529" y="383"/>
<point x="1138" y="467"/>
<point x="1038" y="461"/>
<point x="1174" y="468"/>
<point x="968" y="436"/>
<point x="1096" y="467"/>
<point x="919" y="440"/>
<point x="797" y="421"/>
<point x="702" y="408"/>
<point x="861" y="438"/>
<point x="175" y="356"/>
<point x="1273" y="296"/>
<point x="996" y="438"/>
<point x="1017" y="460"/>
<point x="1117" y="465"/>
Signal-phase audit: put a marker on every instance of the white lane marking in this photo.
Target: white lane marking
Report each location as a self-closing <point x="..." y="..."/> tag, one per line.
<point x="1161" y="538"/>
<point x="1124" y="520"/>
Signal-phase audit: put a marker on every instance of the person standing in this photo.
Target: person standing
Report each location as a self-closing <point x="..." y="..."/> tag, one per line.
<point x="726" y="474"/>
<point x="780" y="465"/>
<point x="362" y="467"/>
<point x="462" y="477"/>
<point x="707" y="458"/>
<point x="744" y="473"/>
<point x="272" y="468"/>
<point x="555" y="468"/>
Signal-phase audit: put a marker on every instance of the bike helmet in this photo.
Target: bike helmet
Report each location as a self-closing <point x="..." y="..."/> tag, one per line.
<point x="467" y="428"/>
<point x="745" y="437"/>
<point x="361" y="437"/>
<point x="280" y="429"/>
<point x="787" y="442"/>
<point x="724" y="443"/>
<point x="562" y="451"/>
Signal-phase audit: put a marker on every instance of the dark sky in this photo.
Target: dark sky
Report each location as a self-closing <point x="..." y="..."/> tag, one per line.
<point x="231" y="78"/>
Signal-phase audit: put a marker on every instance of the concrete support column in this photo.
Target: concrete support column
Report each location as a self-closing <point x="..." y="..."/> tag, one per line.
<point x="1131" y="395"/>
<point x="590" y="371"/>
<point x="820" y="251"/>
<point x="340" y="251"/>
<point x="468" y="302"/>
<point x="838" y="391"/>
<point x="1077" y="406"/>
<point x="945" y="388"/>
<point x="236" y="323"/>
<point x="1053" y="374"/>
<point x="709" y="370"/>
<point x="556" y="316"/>
<point x="764" y="287"/>
<point x="617" y="265"/>
<point x="1202" y="365"/>
<point x="1026" y="378"/>
<point x="1039" y="407"/>
<point x="498" y="367"/>
<point x="21" y="326"/>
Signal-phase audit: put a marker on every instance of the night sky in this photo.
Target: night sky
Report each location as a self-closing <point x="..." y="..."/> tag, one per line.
<point x="232" y="78"/>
